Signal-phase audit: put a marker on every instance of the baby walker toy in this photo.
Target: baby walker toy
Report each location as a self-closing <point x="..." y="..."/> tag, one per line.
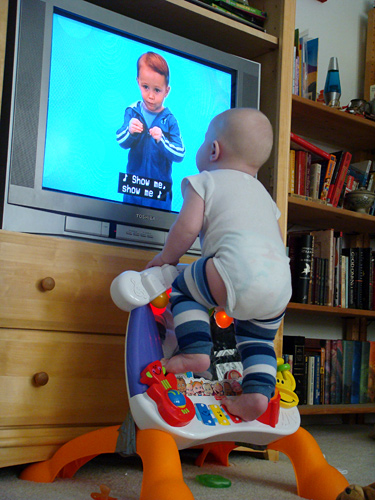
<point x="172" y="413"/>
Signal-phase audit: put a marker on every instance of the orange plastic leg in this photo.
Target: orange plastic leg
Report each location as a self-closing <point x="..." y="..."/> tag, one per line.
<point x="219" y="451"/>
<point x="162" y="473"/>
<point x="72" y="455"/>
<point x="316" y="479"/>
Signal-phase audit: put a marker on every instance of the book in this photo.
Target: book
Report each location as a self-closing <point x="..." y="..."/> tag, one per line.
<point x="303" y="269"/>
<point x="317" y="375"/>
<point x="350" y="253"/>
<point x="327" y="372"/>
<point x="343" y="159"/>
<point x="312" y="47"/>
<point x="308" y="146"/>
<point x="292" y="177"/>
<point x="256" y="13"/>
<point x="360" y="171"/>
<point x="371" y="373"/>
<point x="310" y="379"/>
<point x="324" y="247"/>
<point x="315" y="171"/>
<point x="329" y="166"/>
<point x="333" y="374"/>
<point x="300" y="172"/>
<point x="356" y="371"/>
<point x="347" y="369"/>
<point x="295" y="345"/>
<point x="339" y="373"/>
<point x="365" y="361"/>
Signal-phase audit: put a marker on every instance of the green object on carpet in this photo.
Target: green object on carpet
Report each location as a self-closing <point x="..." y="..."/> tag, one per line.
<point x="213" y="481"/>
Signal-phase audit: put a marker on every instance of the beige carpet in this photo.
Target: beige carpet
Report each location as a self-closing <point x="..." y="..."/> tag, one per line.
<point x="348" y="448"/>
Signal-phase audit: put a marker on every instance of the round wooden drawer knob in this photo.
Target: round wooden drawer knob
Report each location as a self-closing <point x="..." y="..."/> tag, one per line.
<point x="41" y="379"/>
<point x="48" y="284"/>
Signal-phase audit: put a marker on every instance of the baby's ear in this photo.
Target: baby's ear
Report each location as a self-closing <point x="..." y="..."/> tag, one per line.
<point x="215" y="151"/>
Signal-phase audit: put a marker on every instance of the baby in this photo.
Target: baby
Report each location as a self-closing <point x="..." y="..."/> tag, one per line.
<point x="243" y="269"/>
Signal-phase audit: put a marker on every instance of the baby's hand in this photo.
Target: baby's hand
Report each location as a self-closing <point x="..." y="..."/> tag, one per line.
<point x="135" y="126"/>
<point x="156" y="133"/>
<point x="156" y="261"/>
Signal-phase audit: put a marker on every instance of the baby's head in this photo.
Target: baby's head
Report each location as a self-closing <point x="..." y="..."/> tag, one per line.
<point x="153" y="80"/>
<point x="242" y="137"/>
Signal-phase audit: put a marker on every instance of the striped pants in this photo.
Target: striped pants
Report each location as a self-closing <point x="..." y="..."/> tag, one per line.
<point x="190" y="302"/>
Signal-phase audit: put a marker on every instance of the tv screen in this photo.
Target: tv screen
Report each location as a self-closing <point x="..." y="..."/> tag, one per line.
<point x="75" y="164"/>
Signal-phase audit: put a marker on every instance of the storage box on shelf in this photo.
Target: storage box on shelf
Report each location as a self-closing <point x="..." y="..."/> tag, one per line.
<point x="339" y="130"/>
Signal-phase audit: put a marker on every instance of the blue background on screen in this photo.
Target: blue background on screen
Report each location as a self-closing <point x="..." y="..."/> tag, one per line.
<point x="92" y="81"/>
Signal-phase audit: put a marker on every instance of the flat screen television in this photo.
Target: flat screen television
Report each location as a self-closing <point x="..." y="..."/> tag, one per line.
<point x="71" y="72"/>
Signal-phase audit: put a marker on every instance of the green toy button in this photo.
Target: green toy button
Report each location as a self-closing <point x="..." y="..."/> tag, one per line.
<point x="213" y="481"/>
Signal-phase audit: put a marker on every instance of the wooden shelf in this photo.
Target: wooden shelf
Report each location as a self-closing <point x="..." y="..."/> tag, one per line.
<point x="319" y="216"/>
<point x="199" y="24"/>
<point x="328" y="125"/>
<point x="336" y="409"/>
<point x="342" y="312"/>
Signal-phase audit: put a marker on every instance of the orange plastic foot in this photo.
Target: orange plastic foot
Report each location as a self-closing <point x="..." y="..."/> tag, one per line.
<point x="219" y="451"/>
<point x="72" y="455"/>
<point x="316" y="479"/>
<point x="162" y="473"/>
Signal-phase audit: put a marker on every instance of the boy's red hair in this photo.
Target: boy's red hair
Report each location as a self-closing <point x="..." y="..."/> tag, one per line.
<point x="156" y="63"/>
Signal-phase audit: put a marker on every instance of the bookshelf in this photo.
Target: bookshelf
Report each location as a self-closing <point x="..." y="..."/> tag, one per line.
<point x="334" y="129"/>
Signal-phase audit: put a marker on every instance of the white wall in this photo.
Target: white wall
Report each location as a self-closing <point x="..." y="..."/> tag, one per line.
<point x="341" y="27"/>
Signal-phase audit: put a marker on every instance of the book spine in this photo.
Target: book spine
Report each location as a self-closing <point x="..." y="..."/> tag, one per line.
<point x="350" y="276"/>
<point x="315" y="171"/>
<point x="247" y="8"/>
<point x="309" y="147"/>
<point x="348" y="349"/>
<point x="339" y="371"/>
<point x="365" y="361"/>
<point x="310" y="379"/>
<point x="333" y="375"/>
<point x="371" y="373"/>
<point x="344" y="166"/>
<point x="300" y="172"/>
<point x="304" y="268"/>
<point x="316" y="380"/>
<point x="328" y="177"/>
<point x="327" y="373"/>
<point x="356" y="372"/>
<point x="292" y="164"/>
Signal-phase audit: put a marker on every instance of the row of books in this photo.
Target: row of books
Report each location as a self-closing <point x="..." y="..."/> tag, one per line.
<point x="305" y="65"/>
<point x="330" y="269"/>
<point x="237" y="9"/>
<point x="326" y="177"/>
<point x="331" y="371"/>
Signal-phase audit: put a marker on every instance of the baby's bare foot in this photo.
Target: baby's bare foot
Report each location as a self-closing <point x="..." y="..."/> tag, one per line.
<point x="182" y="363"/>
<point x="247" y="406"/>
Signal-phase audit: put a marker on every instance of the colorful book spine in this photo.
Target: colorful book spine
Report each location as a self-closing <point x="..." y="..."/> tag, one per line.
<point x="365" y="361"/>
<point x="292" y="177"/>
<point x="327" y="177"/>
<point x="347" y="370"/>
<point x="333" y="375"/>
<point x="327" y="373"/>
<point x="356" y="371"/>
<point x="339" y="184"/>
<point x="309" y="146"/>
<point x="339" y="373"/>
<point x="371" y="373"/>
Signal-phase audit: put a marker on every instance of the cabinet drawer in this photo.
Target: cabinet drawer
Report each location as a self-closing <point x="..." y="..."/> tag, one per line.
<point x="79" y="299"/>
<point x="86" y="382"/>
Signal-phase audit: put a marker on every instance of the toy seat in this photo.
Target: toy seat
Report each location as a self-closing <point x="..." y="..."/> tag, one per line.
<point x="202" y="421"/>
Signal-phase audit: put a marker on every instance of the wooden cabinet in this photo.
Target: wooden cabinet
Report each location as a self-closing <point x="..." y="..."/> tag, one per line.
<point x="61" y="349"/>
<point x="57" y="321"/>
<point x="357" y="135"/>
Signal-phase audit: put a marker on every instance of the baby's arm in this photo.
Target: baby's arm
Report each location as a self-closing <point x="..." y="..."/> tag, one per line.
<point x="184" y="231"/>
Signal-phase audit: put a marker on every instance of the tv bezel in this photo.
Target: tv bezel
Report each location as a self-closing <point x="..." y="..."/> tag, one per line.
<point x="35" y="210"/>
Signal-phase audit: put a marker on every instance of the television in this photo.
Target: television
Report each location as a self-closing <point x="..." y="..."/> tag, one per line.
<point x="70" y="74"/>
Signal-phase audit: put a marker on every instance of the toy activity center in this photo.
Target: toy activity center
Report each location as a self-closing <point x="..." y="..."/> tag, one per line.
<point x="167" y="420"/>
